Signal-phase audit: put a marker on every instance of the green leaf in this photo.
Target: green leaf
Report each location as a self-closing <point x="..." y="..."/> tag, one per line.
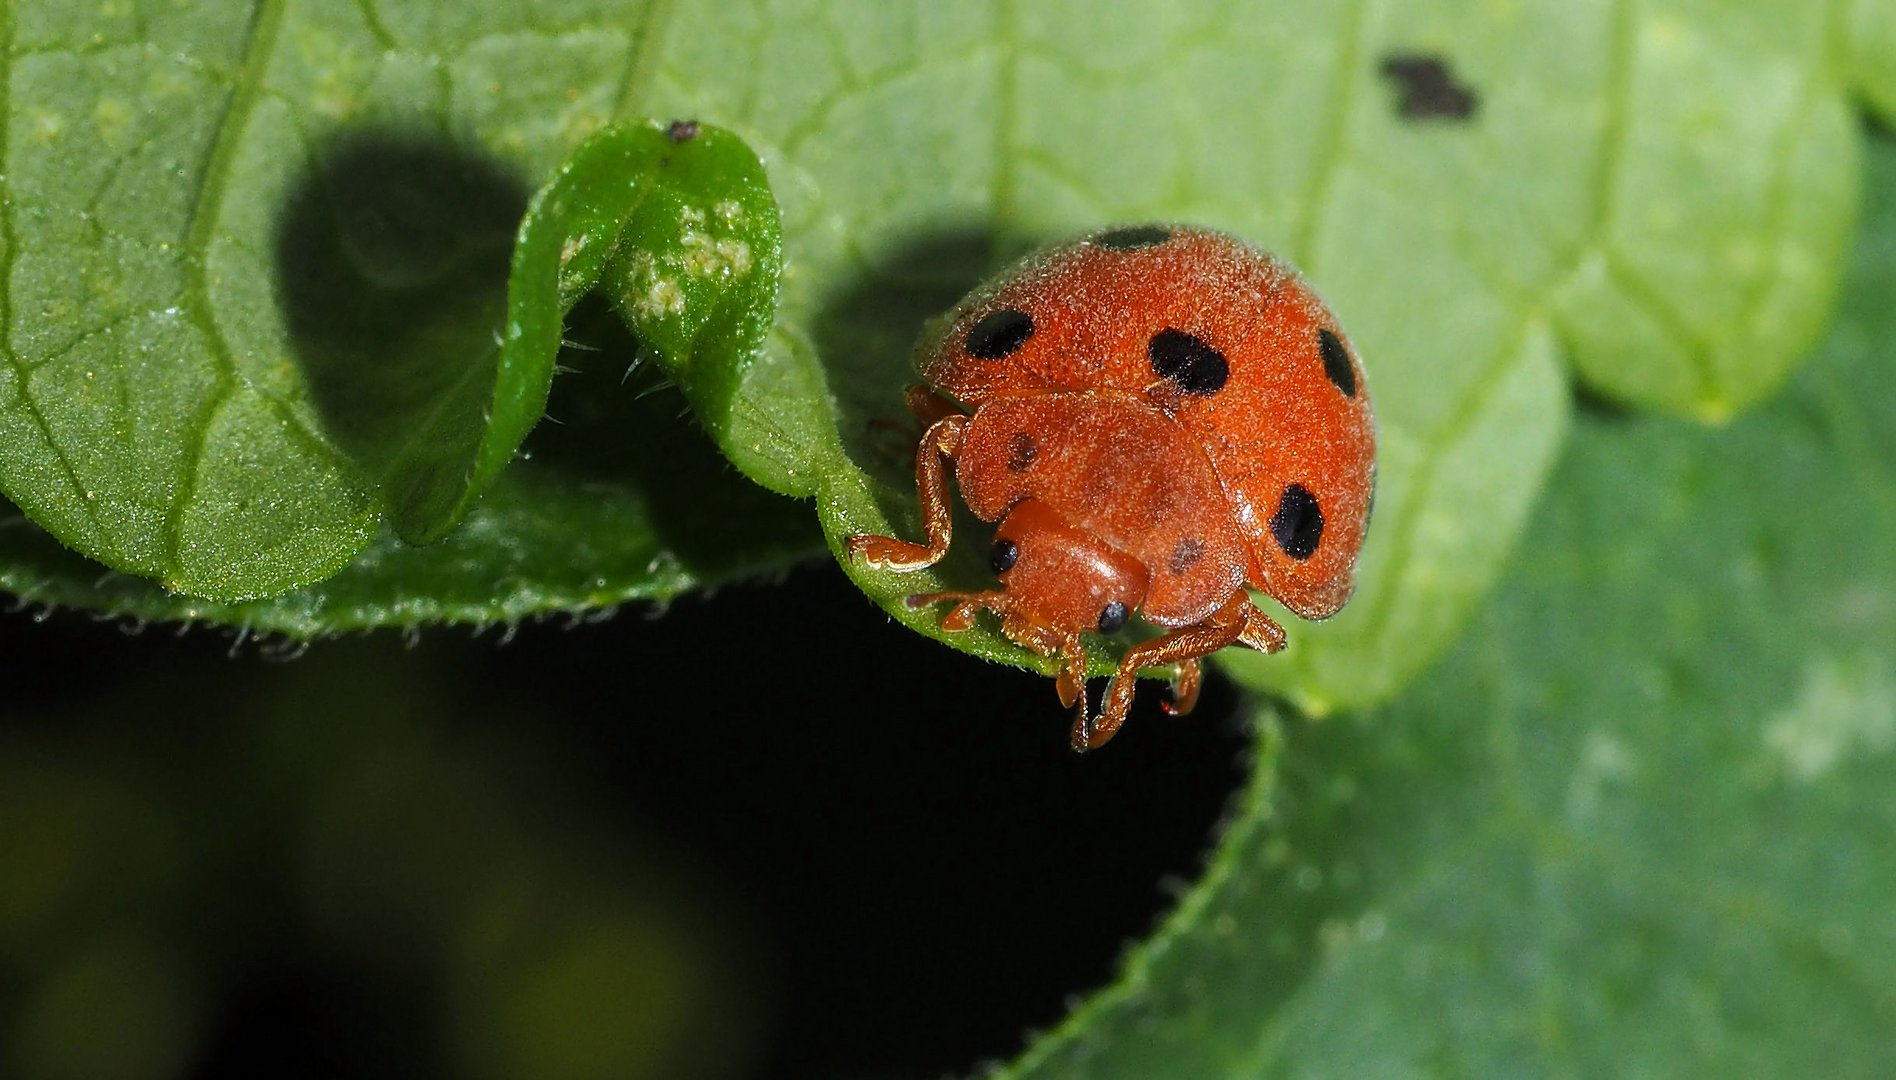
<point x="681" y="234"/>
<point x="1637" y="824"/>
<point x="915" y="149"/>
<point x="679" y="229"/>
<point x="1870" y="40"/>
<point x="1655" y="194"/>
<point x="388" y="223"/>
<point x="627" y="502"/>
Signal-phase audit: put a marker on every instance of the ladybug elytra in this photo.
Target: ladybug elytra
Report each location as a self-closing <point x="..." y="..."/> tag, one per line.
<point x="1159" y="418"/>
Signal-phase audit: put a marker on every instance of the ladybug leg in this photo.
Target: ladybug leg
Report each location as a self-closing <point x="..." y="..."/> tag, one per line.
<point x="1188" y="643"/>
<point x="1070" y="683"/>
<point x="1185" y="687"/>
<point x="1261" y="632"/>
<point x="940" y="444"/>
<point x="895" y="439"/>
<point x="967" y="605"/>
<point x="928" y="406"/>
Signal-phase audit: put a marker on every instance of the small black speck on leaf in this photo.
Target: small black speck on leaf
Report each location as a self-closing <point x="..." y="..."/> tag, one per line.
<point x="1427" y="89"/>
<point x="682" y="131"/>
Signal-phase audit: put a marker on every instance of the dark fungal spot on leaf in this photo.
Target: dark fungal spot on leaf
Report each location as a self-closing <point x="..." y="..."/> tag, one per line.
<point x="1185" y="555"/>
<point x="682" y="131"/>
<point x="1336" y="362"/>
<point x="1194" y="366"/>
<point x="1132" y="237"/>
<point x="1003" y="555"/>
<point x="1298" y="523"/>
<point x="999" y="333"/>
<point x="1021" y="452"/>
<point x="1596" y="405"/>
<point x="1426" y="89"/>
<point x="1112" y="618"/>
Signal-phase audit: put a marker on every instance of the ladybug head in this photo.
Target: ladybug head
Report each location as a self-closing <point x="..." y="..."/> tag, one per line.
<point x="1061" y="578"/>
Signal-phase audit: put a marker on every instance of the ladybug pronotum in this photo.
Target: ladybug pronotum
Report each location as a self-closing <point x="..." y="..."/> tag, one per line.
<point x="1160" y="418"/>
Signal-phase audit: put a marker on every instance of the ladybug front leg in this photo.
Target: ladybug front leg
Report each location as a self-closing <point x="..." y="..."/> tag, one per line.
<point x="939" y="445"/>
<point x="1065" y="647"/>
<point x="1070" y="684"/>
<point x="1236" y="621"/>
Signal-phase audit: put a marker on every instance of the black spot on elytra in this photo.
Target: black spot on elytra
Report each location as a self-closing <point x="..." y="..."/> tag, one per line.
<point x="1336" y="362"/>
<point x="1185" y="555"/>
<point x="1132" y="237"/>
<point x="1112" y="618"/>
<point x="1427" y="89"/>
<point x="1298" y="522"/>
<point x="1193" y="365"/>
<point x="1002" y="556"/>
<point x="1021" y="452"/>
<point x="999" y="333"/>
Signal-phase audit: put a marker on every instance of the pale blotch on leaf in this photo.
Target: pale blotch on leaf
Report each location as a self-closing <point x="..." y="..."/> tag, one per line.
<point x="736" y="255"/>
<point x="706" y="256"/>
<point x="1604" y="760"/>
<point x="112" y="116"/>
<point x="1842" y="707"/>
<point x="1339" y="934"/>
<point x="654" y="295"/>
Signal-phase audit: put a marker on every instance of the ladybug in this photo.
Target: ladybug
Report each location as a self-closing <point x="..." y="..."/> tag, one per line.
<point x="1160" y="418"/>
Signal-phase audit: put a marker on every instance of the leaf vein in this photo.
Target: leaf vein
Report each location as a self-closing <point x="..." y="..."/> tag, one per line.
<point x="642" y="56"/>
<point x="10" y="246"/>
<point x="1439" y="442"/>
<point x="816" y="116"/>
<point x="1335" y="145"/>
<point x="1777" y="194"/>
<point x="378" y="29"/>
<point x="212" y="184"/>
<point x="1007" y="125"/>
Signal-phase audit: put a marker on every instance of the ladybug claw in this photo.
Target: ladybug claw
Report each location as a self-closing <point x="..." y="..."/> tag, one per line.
<point x="1261" y="632"/>
<point x="1184" y="689"/>
<point x="1069" y="688"/>
<point x="1083" y="728"/>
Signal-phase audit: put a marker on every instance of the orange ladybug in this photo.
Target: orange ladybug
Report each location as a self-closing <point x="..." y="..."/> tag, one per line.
<point x="1159" y="417"/>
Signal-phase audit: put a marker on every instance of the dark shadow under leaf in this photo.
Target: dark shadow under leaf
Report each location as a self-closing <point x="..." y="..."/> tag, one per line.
<point x="393" y="253"/>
